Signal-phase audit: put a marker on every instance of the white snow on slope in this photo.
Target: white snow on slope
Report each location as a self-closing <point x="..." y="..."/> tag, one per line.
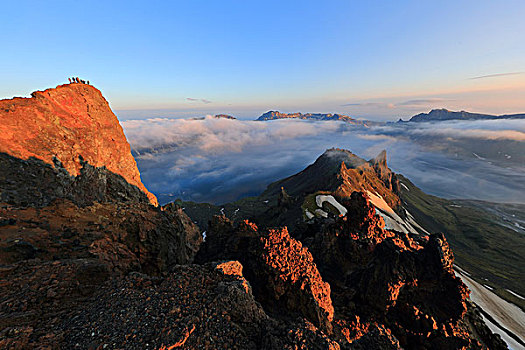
<point x="477" y="156"/>
<point x="320" y="199"/>
<point x="308" y="214"/>
<point x="511" y="343"/>
<point x="321" y="212"/>
<point x="392" y="220"/>
<point x="506" y="314"/>
<point x="405" y="186"/>
<point x="488" y="287"/>
<point x="456" y="267"/>
<point x="391" y="224"/>
<point x="515" y="294"/>
<point x="380" y="204"/>
<point x="413" y="222"/>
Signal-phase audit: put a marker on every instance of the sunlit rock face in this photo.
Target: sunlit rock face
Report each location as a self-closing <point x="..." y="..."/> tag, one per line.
<point x="68" y="125"/>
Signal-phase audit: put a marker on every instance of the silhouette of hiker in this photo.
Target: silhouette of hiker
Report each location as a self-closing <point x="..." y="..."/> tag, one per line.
<point x="69" y="80"/>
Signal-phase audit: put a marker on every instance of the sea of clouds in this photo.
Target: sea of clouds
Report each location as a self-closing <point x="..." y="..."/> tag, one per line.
<point x="221" y="160"/>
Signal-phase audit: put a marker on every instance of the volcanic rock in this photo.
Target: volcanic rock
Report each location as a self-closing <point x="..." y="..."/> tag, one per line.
<point x="67" y="125"/>
<point x="281" y="271"/>
<point x="407" y="285"/>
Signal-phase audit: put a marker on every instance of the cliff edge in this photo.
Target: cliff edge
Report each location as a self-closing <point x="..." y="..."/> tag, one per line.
<point x="71" y="124"/>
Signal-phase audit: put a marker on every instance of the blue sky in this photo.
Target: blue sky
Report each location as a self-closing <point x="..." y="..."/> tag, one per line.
<point x="370" y="59"/>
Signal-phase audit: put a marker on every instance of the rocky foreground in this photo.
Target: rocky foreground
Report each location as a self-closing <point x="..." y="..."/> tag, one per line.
<point x="87" y="262"/>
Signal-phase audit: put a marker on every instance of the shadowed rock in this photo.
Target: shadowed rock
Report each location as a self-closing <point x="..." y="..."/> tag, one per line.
<point x="281" y="271"/>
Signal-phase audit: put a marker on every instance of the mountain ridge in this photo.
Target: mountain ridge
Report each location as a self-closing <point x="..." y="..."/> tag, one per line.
<point x="274" y="115"/>
<point x="444" y="114"/>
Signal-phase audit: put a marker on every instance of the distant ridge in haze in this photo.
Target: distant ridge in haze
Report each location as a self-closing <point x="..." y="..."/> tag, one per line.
<point x="273" y="115"/>
<point x="217" y="116"/>
<point x="445" y="114"/>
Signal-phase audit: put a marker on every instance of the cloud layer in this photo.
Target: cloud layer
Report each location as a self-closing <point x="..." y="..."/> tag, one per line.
<point x="220" y="160"/>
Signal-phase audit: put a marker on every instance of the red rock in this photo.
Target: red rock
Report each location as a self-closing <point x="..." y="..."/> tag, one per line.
<point x="281" y="271"/>
<point x="66" y="122"/>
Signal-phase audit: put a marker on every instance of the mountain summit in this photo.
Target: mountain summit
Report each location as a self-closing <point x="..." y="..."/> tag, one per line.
<point x="68" y="125"/>
<point x="445" y="114"/>
<point x="342" y="172"/>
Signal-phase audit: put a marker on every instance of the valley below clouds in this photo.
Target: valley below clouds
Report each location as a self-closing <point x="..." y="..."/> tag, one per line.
<point x="219" y="160"/>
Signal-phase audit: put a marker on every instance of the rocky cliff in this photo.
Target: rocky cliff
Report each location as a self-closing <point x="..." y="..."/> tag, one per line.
<point x="68" y="125"/>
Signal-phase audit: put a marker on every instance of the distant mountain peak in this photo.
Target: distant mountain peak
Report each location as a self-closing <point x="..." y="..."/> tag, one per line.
<point x="380" y="158"/>
<point x="338" y="155"/>
<point x="342" y="172"/>
<point x="224" y="116"/>
<point x="273" y="115"/>
<point x="442" y="114"/>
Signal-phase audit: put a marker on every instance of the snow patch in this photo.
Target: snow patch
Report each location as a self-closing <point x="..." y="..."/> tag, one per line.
<point x="392" y="220"/>
<point x="479" y="157"/>
<point x="412" y="221"/>
<point x="405" y="186"/>
<point x="308" y="214"/>
<point x="488" y="287"/>
<point x="506" y="314"/>
<point x="519" y="226"/>
<point x="391" y="224"/>
<point x="515" y="294"/>
<point x="380" y="203"/>
<point x="461" y="270"/>
<point x="320" y="199"/>
<point x="321" y="212"/>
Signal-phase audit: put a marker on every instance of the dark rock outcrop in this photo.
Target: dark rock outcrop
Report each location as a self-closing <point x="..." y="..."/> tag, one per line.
<point x="55" y="258"/>
<point x="387" y="289"/>
<point x="194" y="306"/>
<point x="33" y="182"/>
<point x="281" y="271"/>
<point x="406" y="284"/>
